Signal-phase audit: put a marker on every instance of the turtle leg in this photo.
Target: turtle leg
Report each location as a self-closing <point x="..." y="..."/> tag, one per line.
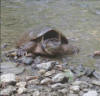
<point x="39" y="50"/>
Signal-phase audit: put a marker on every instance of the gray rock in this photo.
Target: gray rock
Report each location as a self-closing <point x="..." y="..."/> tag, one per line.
<point x="36" y="93"/>
<point x="7" y="91"/>
<point x="27" y="60"/>
<point x="42" y="71"/>
<point x="58" y="86"/>
<point x="71" y="94"/>
<point x="46" y="81"/>
<point x="91" y="93"/>
<point x="77" y="83"/>
<point x="47" y="65"/>
<point x="8" y="78"/>
<point x="75" y="89"/>
<point x="64" y="91"/>
<point x="95" y="82"/>
<point x="60" y="77"/>
<point x="96" y="74"/>
<point x="34" y="82"/>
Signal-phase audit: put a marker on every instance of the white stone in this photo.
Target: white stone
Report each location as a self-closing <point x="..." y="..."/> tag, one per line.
<point x="58" y="86"/>
<point x="75" y="88"/>
<point x="46" y="81"/>
<point x="21" y="90"/>
<point x="46" y="66"/>
<point x="95" y="82"/>
<point x="7" y="91"/>
<point x="7" y="78"/>
<point x="91" y="93"/>
<point x="59" y="77"/>
<point x="21" y="84"/>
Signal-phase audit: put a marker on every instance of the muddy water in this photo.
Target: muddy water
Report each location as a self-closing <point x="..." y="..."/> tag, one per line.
<point x="79" y="20"/>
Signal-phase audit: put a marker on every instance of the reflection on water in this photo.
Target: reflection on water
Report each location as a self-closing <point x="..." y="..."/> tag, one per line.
<point x="79" y="20"/>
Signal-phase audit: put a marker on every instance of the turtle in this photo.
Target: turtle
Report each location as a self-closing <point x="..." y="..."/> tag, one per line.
<point x="48" y="41"/>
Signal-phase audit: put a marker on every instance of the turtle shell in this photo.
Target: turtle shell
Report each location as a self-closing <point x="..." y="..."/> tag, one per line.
<point x="37" y="34"/>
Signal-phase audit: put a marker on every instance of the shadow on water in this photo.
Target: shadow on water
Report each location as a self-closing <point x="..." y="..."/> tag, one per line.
<point x="79" y="20"/>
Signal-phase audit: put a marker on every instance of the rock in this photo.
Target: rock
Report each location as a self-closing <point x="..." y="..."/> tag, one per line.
<point x="21" y="90"/>
<point x="76" y="89"/>
<point x="42" y="71"/>
<point x="10" y="67"/>
<point x="60" y="77"/>
<point x="91" y="93"/>
<point x="4" y="45"/>
<point x="34" y="82"/>
<point x="31" y="77"/>
<point x="21" y="84"/>
<point x="77" y="83"/>
<point x="64" y="91"/>
<point x="58" y="86"/>
<point x="36" y="93"/>
<point x="71" y="94"/>
<point x="46" y="81"/>
<point x="47" y="66"/>
<point x="49" y="73"/>
<point x="95" y="82"/>
<point x="96" y="74"/>
<point x="82" y="84"/>
<point x="97" y="53"/>
<point x="8" y="78"/>
<point x="7" y="91"/>
<point x="27" y="60"/>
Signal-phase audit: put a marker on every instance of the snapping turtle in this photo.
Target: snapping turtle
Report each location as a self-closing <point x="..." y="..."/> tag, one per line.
<point x="45" y="42"/>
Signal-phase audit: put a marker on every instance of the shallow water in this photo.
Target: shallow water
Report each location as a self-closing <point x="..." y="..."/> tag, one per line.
<point x="79" y="20"/>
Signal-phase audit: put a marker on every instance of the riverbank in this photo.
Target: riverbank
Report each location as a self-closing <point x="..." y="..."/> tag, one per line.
<point x="47" y="77"/>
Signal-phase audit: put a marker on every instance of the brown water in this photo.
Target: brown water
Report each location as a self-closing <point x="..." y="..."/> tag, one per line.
<point x="79" y="20"/>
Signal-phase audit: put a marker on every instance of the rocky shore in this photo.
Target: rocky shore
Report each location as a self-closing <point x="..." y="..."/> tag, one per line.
<point x="45" y="77"/>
